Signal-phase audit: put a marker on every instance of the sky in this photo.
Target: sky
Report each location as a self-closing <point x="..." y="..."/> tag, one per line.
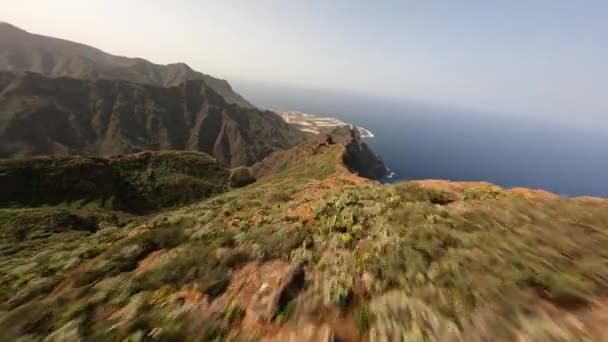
<point x="542" y="57"/>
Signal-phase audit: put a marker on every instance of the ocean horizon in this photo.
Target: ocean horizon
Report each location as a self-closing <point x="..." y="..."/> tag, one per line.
<point x="425" y="141"/>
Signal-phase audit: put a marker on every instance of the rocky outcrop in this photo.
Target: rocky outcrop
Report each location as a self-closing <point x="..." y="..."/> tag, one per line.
<point x="357" y="156"/>
<point x="360" y="158"/>
<point x="271" y="297"/>
<point x="63" y="116"/>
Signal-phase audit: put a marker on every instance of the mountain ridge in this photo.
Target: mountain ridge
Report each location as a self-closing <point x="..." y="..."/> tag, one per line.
<point x="356" y="156"/>
<point x="41" y="115"/>
<point x="53" y="57"/>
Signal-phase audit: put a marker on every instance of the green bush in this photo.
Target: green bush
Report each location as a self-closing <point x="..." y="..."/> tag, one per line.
<point x="285" y="312"/>
<point x="240" y="177"/>
<point x="234" y="313"/>
<point x="415" y="193"/>
<point x="398" y="317"/>
<point x="364" y="319"/>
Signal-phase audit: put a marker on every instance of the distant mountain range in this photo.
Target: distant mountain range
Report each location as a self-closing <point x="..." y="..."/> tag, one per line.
<point x="52" y="57"/>
<point x="61" y="98"/>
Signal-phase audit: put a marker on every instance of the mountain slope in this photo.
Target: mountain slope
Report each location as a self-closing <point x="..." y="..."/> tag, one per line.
<point x="312" y="252"/>
<point x="61" y="116"/>
<point x="52" y="57"/>
<point x="136" y="183"/>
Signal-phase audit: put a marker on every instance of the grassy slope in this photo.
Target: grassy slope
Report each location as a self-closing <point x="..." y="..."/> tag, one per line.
<point x="57" y="212"/>
<point x="409" y="260"/>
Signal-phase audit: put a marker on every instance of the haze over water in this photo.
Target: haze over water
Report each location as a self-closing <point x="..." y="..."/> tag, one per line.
<point x="422" y="141"/>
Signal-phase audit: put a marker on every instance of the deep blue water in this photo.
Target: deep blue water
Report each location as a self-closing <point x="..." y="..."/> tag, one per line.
<point x="419" y="141"/>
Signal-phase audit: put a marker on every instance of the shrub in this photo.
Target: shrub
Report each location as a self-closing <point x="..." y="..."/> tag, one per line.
<point x="277" y="241"/>
<point x="415" y="193"/>
<point x="363" y="319"/>
<point x="240" y="177"/>
<point x="482" y="193"/>
<point x="285" y="312"/>
<point x="398" y="317"/>
<point x="234" y="313"/>
<point x="336" y="279"/>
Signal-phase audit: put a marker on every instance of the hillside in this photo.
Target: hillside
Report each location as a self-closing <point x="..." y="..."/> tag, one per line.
<point x="313" y="252"/>
<point x="63" y="116"/>
<point x="137" y="183"/>
<point x="23" y="51"/>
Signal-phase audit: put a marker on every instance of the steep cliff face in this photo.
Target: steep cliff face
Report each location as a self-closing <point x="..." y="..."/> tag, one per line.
<point x="360" y="158"/>
<point x="62" y="116"/>
<point x="52" y="57"/>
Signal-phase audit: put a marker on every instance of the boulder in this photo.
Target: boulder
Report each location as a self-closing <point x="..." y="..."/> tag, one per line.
<point x="276" y="293"/>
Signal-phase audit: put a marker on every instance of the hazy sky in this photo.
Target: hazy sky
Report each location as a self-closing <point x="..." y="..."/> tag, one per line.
<point x="526" y="57"/>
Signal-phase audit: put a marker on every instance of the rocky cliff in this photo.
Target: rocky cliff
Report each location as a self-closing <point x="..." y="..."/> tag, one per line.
<point x="360" y="158"/>
<point x="355" y="155"/>
<point x="61" y="116"/>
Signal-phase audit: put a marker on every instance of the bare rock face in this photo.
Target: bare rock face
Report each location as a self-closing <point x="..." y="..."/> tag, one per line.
<point x="360" y="158"/>
<point x="272" y="296"/>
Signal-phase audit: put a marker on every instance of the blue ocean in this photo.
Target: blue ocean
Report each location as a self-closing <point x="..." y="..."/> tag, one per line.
<point x="426" y="141"/>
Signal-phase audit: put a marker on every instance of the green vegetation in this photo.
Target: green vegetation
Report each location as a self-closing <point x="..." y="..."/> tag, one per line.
<point x="364" y="319"/>
<point x="496" y="258"/>
<point x="241" y="176"/>
<point x="399" y="317"/>
<point x="234" y="313"/>
<point x="285" y="313"/>
<point x="39" y="245"/>
<point x="137" y="183"/>
<point x="397" y="262"/>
